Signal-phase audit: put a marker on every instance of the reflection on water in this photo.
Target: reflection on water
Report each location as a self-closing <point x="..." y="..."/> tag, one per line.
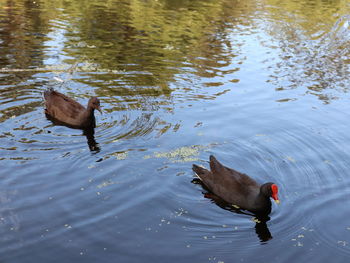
<point x="88" y="132"/>
<point x="90" y="138"/>
<point x="320" y="58"/>
<point x="262" y="84"/>
<point x="93" y="145"/>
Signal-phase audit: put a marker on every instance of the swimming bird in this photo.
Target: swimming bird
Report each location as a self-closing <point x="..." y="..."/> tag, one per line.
<point x="67" y="111"/>
<point x="237" y="189"/>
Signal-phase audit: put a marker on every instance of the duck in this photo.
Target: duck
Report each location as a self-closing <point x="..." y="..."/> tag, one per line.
<point x="69" y="112"/>
<point x="237" y="189"/>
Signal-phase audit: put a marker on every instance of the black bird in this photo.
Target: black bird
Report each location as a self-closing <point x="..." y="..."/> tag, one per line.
<point x="236" y="188"/>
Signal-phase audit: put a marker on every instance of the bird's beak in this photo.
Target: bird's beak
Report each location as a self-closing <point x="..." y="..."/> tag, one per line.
<point x="275" y="197"/>
<point x="99" y="109"/>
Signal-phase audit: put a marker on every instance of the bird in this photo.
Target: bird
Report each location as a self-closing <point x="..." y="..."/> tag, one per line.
<point x="67" y="111"/>
<point x="237" y="189"/>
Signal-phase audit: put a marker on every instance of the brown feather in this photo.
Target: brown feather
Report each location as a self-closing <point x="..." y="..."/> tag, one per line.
<point x="61" y="108"/>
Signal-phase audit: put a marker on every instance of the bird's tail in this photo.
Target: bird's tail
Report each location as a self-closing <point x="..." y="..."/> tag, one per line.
<point x="200" y="171"/>
<point x="215" y="165"/>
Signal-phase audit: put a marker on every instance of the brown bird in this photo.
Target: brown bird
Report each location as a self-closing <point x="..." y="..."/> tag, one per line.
<point x="237" y="189"/>
<point x="67" y="111"/>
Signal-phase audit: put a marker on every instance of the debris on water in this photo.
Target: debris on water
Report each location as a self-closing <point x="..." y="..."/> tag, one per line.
<point x="298" y="244"/>
<point x="181" y="212"/>
<point x="105" y="183"/>
<point x="342" y="243"/>
<point x="120" y="155"/>
<point x="254" y="219"/>
<point x="182" y="154"/>
<point x="291" y="159"/>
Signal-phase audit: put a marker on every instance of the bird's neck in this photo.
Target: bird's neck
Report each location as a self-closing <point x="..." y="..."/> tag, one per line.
<point x="263" y="202"/>
<point x="88" y="114"/>
<point x="89" y="110"/>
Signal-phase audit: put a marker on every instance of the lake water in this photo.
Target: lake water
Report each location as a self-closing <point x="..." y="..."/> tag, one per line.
<point x="262" y="85"/>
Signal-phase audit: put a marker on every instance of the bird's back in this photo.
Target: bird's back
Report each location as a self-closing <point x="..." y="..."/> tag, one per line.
<point x="64" y="109"/>
<point x="232" y="186"/>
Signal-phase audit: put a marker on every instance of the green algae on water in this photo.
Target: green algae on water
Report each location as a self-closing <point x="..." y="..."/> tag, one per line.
<point x="182" y="154"/>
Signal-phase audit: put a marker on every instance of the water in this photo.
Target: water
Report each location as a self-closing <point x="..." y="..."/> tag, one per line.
<point x="262" y="85"/>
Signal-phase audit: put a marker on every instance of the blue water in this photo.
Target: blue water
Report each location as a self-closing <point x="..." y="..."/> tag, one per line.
<point x="263" y="86"/>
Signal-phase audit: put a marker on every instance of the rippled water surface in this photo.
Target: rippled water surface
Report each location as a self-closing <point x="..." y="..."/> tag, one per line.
<point x="262" y="85"/>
